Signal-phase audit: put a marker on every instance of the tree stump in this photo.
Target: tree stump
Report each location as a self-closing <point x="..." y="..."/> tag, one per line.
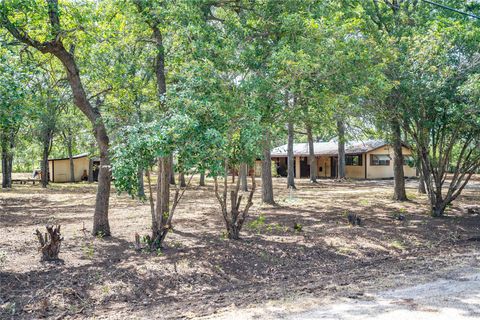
<point x="354" y="219"/>
<point x="50" y="243"/>
<point x="474" y="210"/>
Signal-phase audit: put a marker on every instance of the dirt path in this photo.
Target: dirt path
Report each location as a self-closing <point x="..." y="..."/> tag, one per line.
<point x="454" y="294"/>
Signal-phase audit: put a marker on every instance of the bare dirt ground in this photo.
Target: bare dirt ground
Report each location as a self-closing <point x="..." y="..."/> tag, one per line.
<point x="202" y="274"/>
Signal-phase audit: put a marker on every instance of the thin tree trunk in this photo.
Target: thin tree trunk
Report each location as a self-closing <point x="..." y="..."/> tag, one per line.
<point x="311" y="158"/>
<point x="421" y="183"/>
<point x="243" y="177"/>
<point x="267" y="183"/>
<point x="341" y="149"/>
<point x="172" y="172"/>
<point x="44" y="165"/>
<point x="202" y="179"/>
<point x="290" y="164"/>
<point x="140" y="184"/>
<point x="181" y="177"/>
<point x="7" y="160"/>
<point x="7" y="145"/>
<point x="70" y="157"/>
<point x="399" y="192"/>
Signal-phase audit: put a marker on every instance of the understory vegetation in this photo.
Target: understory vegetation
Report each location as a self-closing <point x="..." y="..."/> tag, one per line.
<point x="177" y="106"/>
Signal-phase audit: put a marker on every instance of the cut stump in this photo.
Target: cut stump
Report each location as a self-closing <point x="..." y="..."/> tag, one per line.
<point x="50" y="243"/>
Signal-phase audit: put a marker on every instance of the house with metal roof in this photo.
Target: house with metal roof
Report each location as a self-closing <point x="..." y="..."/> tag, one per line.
<point x="370" y="159"/>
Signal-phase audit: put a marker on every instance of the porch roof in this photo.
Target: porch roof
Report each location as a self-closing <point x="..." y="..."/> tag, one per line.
<point x="329" y="148"/>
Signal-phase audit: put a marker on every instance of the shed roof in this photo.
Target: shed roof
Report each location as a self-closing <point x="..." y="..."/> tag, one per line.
<point x="81" y="155"/>
<point x="329" y="148"/>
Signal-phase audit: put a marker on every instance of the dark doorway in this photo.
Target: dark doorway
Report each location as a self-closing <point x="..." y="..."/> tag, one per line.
<point x="96" y="170"/>
<point x="334" y="165"/>
<point x="304" y="168"/>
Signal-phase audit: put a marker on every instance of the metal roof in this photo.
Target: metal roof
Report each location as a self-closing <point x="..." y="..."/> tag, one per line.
<point x="82" y="155"/>
<point x="329" y="148"/>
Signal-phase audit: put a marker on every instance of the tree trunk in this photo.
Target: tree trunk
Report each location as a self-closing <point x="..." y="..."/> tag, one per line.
<point x="172" y="172"/>
<point x="267" y="183"/>
<point x="341" y="149"/>
<point x="181" y="177"/>
<point x="162" y="210"/>
<point x="290" y="163"/>
<point x="100" y="217"/>
<point x="438" y="209"/>
<point x="202" y="179"/>
<point x="70" y="155"/>
<point x="44" y="165"/>
<point x="311" y="158"/>
<point x="421" y="179"/>
<point x="140" y="184"/>
<point x="421" y="183"/>
<point x="233" y="218"/>
<point x="7" y="161"/>
<point x="243" y="177"/>
<point x="399" y="193"/>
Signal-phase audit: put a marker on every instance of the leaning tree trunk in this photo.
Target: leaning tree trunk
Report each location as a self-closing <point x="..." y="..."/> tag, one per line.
<point x="341" y="149"/>
<point x="243" y="177"/>
<point x="50" y="243"/>
<point x="399" y="193"/>
<point x="311" y="155"/>
<point x="267" y="183"/>
<point x="202" y="179"/>
<point x="290" y="163"/>
<point x="55" y="46"/>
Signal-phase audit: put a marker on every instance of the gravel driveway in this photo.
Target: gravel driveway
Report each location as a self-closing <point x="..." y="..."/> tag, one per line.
<point x="455" y="295"/>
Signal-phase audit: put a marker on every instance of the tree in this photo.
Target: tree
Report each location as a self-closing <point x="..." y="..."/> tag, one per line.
<point x="394" y="21"/>
<point x="49" y="102"/>
<point x="13" y="109"/>
<point x="441" y="110"/>
<point x="33" y="18"/>
<point x="141" y="146"/>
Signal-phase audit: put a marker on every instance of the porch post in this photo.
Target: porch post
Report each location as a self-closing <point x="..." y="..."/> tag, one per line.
<point x="297" y="167"/>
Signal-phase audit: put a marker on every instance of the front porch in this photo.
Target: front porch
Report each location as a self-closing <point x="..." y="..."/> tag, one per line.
<point x="326" y="166"/>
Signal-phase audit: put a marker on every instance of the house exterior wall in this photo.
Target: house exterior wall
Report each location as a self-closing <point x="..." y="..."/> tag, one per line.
<point x="380" y="172"/>
<point x="356" y="172"/>
<point x="60" y="169"/>
<point x="324" y="167"/>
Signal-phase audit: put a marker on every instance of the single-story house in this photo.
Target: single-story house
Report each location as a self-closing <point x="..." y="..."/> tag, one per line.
<point x="372" y="159"/>
<point x="59" y="168"/>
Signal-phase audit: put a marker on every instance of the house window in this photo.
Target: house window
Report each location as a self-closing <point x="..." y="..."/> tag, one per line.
<point x="379" y="160"/>
<point x="355" y="160"/>
<point x="408" y="161"/>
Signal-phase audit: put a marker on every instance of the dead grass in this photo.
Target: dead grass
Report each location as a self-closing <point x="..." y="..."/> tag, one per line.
<point x="200" y="272"/>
